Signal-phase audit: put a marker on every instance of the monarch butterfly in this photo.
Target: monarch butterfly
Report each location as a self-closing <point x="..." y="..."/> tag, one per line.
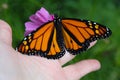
<point x="53" y="38"/>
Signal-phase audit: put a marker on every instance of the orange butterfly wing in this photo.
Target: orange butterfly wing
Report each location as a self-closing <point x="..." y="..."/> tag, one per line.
<point x="42" y="42"/>
<point x="78" y="34"/>
<point x="54" y="37"/>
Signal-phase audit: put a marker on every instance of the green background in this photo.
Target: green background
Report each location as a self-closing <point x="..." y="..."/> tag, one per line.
<point x="106" y="12"/>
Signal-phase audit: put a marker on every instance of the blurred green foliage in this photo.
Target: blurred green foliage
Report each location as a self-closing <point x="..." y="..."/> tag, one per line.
<point x="107" y="12"/>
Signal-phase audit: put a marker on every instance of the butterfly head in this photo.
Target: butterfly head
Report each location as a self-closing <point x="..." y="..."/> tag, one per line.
<point x="56" y="18"/>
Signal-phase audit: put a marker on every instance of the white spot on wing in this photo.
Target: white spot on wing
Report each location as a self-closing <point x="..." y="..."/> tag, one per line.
<point x="25" y="38"/>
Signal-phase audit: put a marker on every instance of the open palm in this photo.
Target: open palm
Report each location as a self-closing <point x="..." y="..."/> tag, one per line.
<point x="15" y="66"/>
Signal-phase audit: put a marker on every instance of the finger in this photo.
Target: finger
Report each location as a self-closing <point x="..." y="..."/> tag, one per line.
<point x="80" y="69"/>
<point x="92" y="44"/>
<point x="5" y="33"/>
<point x="67" y="57"/>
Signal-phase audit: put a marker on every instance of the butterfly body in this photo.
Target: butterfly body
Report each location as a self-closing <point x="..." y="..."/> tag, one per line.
<point x="54" y="38"/>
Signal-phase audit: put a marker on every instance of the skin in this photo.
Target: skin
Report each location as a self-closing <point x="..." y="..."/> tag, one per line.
<point x="16" y="66"/>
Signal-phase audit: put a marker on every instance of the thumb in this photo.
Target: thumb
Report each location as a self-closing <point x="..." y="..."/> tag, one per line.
<point x="5" y="33"/>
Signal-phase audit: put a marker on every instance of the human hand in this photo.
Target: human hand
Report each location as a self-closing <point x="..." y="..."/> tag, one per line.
<point x="16" y="66"/>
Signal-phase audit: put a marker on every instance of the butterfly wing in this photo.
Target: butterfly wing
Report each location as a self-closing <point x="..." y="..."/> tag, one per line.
<point x="56" y="49"/>
<point x="79" y="33"/>
<point x="47" y="41"/>
<point x="42" y="42"/>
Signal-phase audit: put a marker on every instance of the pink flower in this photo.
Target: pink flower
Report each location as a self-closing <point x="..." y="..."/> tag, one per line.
<point x="39" y="18"/>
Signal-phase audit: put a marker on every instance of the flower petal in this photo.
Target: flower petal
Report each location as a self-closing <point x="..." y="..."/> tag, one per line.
<point x="30" y="26"/>
<point x="35" y="19"/>
<point x="39" y="18"/>
<point x="43" y="14"/>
